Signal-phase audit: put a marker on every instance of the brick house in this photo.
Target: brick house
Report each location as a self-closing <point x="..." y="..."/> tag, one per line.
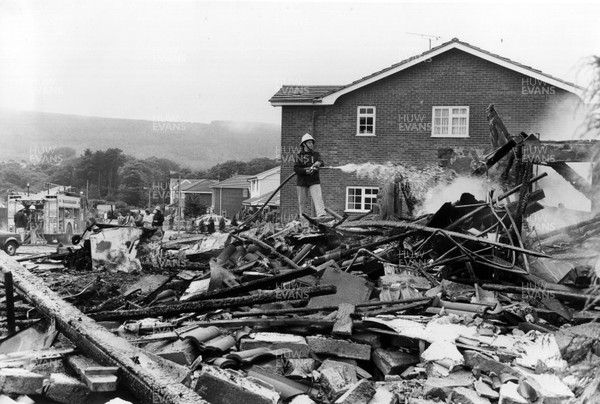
<point x="227" y="195"/>
<point x="200" y="191"/>
<point x="410" y="112"/>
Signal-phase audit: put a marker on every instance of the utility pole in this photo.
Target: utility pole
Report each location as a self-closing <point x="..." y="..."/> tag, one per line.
<point x="179" y="204"/>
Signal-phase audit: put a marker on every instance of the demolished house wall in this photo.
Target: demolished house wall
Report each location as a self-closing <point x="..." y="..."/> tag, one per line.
<point x="404" y="104"/>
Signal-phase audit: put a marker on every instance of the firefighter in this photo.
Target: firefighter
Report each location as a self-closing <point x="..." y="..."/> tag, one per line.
<point x="308" y="182"/>
<point x="21" y="222"/>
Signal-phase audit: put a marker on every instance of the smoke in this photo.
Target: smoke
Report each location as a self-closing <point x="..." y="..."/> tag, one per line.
<point x="566" y="120"/>
<point x="388" y="172"/>
<point x="430" y="185"/>
<point x="451" y="192"/>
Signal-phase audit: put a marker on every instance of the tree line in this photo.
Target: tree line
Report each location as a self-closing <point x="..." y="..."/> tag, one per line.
<point x="112" y="176"/>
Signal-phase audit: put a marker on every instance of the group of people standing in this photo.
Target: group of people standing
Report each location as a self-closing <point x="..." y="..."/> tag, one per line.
<point x="146" y="219"/>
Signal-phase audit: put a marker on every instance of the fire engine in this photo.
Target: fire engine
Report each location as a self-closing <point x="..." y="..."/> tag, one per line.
<point x="55" y="214"/>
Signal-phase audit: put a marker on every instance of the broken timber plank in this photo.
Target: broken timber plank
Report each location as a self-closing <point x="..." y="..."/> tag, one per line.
<point x="253" y="285"/>
<point x="343" y="323"/>
<point x="140" y="372"/>
<point x="427" y="229"/>
<point x="205" y="305"/>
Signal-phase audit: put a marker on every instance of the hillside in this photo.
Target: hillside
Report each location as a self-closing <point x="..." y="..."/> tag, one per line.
<point x="194" y="145"/>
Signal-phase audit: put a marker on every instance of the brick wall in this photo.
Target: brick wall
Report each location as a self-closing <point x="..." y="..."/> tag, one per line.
<point x="454" y="78"/>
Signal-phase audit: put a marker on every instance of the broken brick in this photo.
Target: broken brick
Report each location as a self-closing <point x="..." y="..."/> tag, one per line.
<point x="20" y="381"/>
<point x="65" y="389"/>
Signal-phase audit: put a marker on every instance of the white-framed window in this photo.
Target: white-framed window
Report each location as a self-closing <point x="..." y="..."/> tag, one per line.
<point x="450" y="122"/>
<point x="365" y="121"/>
<point x="245" y="193"/>
<point x="360" y="199"/>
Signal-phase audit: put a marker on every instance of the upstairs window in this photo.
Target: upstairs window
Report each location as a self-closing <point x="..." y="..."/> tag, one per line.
<point x="450" y="122"/>
<point x="365" y="121"/>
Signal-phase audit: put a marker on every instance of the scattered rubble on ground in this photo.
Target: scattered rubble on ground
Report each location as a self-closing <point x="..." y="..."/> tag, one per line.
<point x="465" y="305"/>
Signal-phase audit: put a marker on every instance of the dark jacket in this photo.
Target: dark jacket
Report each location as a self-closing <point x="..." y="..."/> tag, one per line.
<point x="158" y="219"/>
<point x="304" y="160"/>
<point x="21" y="219"/>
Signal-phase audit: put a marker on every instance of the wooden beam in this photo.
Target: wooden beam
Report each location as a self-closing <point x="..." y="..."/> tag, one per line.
<point x="206" y="305"/>
<point x="140" y="372"/>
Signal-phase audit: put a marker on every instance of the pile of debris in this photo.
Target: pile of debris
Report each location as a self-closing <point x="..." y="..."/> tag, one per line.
<point x="451" y="306"/>
<point x="469" y="304"/>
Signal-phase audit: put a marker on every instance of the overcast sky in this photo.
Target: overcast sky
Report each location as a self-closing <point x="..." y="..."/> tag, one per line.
<point x="201" y="61"/>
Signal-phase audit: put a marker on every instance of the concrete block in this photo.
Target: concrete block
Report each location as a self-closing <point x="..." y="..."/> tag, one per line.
<point x="338" y="347"/>
<point x="442" y="387"/>
<point x="359" y="393"/>
<point x="224" y="386"/>
<point x="390" y="362"/>
<point x="65" y="389"/>
<point x="20" y="381"/>
<point x="336" y="380"/>
<point x="96" y="377"/>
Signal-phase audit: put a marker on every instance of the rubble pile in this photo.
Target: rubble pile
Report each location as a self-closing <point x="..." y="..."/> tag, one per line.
<point x="449" y="307"/>
<point x="470" y="304"/>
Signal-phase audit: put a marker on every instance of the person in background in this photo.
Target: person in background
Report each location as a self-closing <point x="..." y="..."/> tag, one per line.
<point x="129" y="221"/>
<point x="307" y="165"/>
<point x="120" y="219"/>
<point x="158" y="219"/>
<point x="21" y="222"/>
<point x="148" y="219"/>
<point x="138" y="220"/>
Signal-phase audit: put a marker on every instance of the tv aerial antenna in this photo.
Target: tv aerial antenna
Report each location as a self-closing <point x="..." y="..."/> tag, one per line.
<point x="430" y="37"/>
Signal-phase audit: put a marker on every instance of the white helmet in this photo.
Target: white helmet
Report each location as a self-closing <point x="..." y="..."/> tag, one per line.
<point x="306" y="138"/>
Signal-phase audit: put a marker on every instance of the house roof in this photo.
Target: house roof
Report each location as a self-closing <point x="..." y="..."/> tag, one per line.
<point x="265" y="174"/>
<point x="287" y="96"/>
<point x="199" y="186"/>
<point x="237" y="181"/>
<point x="303" y="93"/>
<point x="185" y="183"/>
<point x="260" y="200"/>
